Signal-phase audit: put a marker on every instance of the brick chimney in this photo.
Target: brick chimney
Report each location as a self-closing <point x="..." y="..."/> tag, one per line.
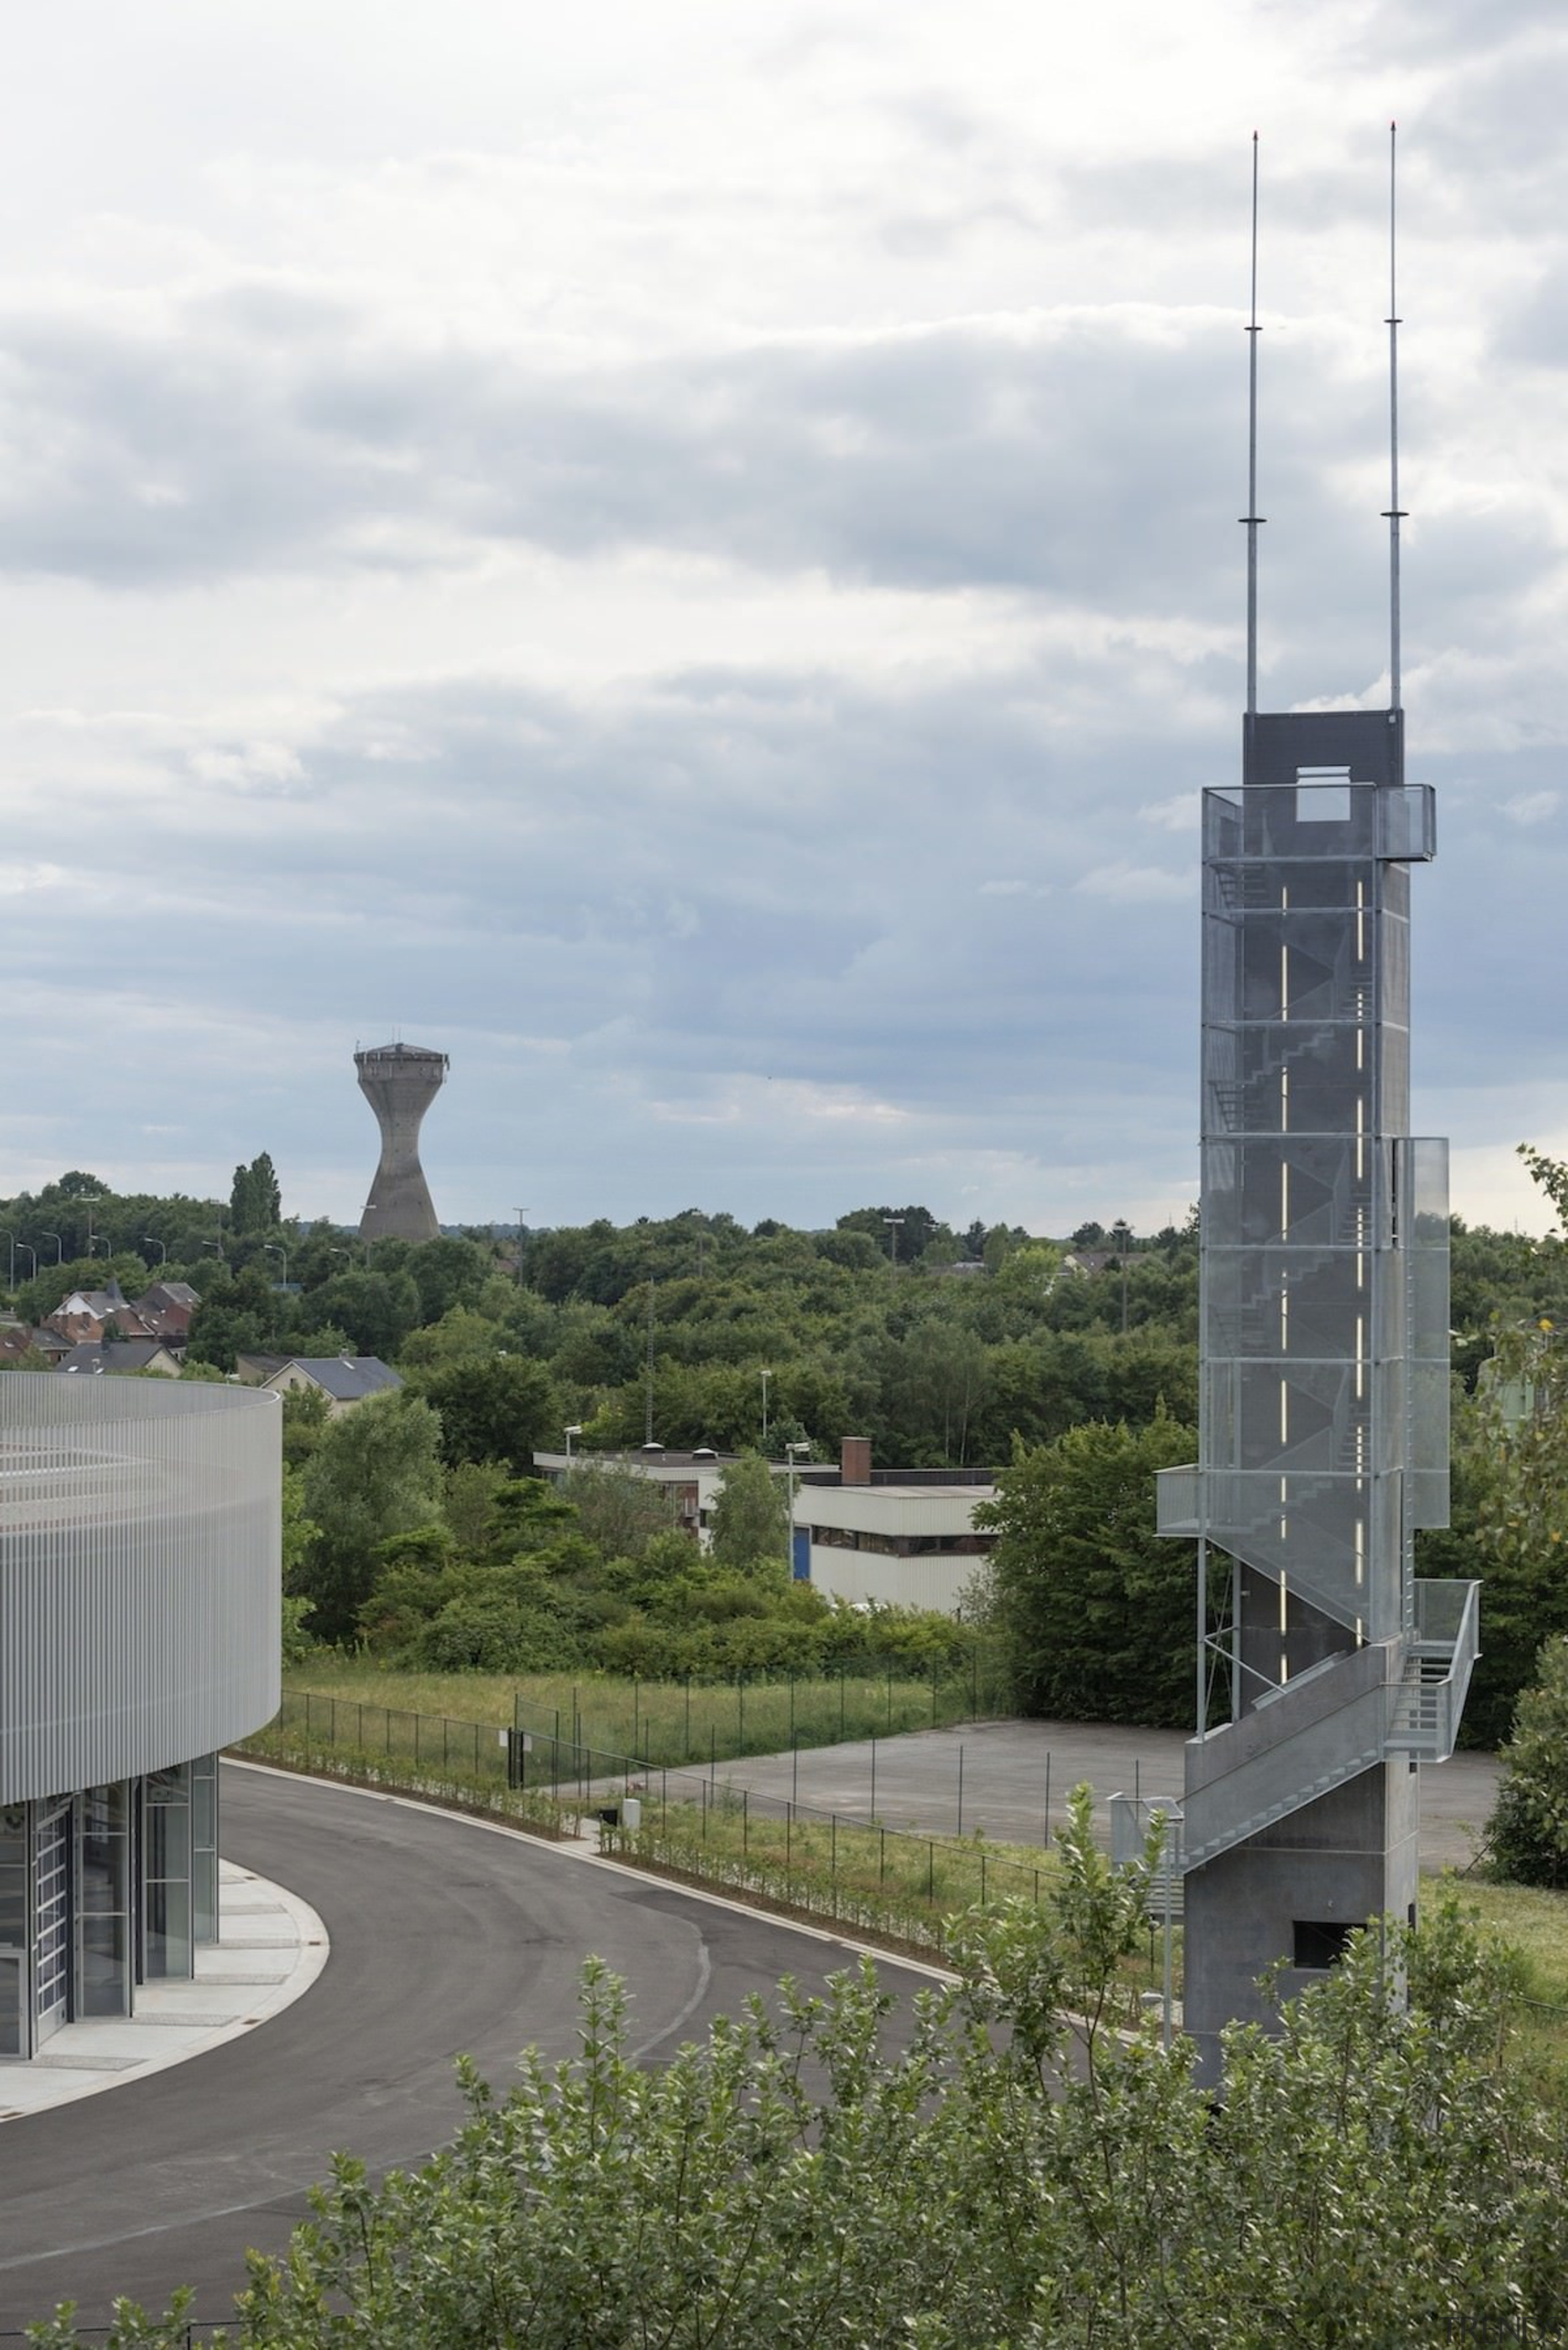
<point x="855" y="1460"/>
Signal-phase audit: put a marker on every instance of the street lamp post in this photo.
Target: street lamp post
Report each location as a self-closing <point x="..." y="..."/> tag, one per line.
<point x="573" y="1428"/>
<point x="215" y="1245"/>
<point x="162" y="1246"/>
<point x="893" y="1223"/>
<point x="271" y="1248"/>
<point x="33" y="1254"/>
<point x="59" y="1246"/>
<point x="790" y="1453"/>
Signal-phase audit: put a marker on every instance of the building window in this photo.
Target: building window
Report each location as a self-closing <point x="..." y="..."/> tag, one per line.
<point x="1318" y="1945"/>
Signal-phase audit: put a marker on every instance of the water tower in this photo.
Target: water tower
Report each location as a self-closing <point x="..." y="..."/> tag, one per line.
<point x="399" y="1082"/>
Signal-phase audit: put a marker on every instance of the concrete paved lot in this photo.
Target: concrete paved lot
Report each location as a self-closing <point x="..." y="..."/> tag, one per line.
<point x="1011" y="1769"/>
<point x="446" y="1937"/>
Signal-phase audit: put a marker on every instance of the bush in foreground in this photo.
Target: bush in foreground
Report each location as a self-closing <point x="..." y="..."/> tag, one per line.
<point x="991" y="2165"/>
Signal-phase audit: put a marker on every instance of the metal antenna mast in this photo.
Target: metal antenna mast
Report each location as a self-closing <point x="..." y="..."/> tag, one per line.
<point x="1395" y="514"/>
<point x="1251" y="518"/>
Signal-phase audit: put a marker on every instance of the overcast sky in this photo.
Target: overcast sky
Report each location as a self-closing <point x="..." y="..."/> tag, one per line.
<point x="684" y="553"/>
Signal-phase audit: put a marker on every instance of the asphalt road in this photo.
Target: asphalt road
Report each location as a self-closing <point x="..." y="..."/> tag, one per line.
<point x="447" y="1938"/>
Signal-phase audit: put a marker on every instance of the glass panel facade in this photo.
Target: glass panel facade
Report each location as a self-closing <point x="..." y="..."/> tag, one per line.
<point x="14" y="2037"/>
<point x="167" y="1948"/>
<point x="104" y="1968"/>
<point x="205" y="1848"/>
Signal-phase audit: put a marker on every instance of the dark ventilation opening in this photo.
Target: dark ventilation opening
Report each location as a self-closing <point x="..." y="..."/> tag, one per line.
<point x="1319" y="1945"/>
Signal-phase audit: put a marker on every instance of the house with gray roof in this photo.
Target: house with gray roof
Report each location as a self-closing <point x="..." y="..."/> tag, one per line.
<point x="344" y="1379"/>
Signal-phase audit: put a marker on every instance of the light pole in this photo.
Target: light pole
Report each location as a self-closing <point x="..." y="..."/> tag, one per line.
<point x="215" y="1245"/>
<point x="790" y="1453"/>
<point x="162" y="1246"/>
<point x="893" y="1223"/>
<point x="271" y="1248"/>
<point x="573" y="1428"/>
<point x="766" y="1376"/>
<point x="59" y="1246"/>
<point x="33" y="1254"/>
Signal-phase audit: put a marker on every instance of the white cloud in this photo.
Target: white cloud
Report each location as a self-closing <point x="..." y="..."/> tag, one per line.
<point x="1532" y="807"/>
<point x="650" y="555"/>
<point x="1136" y="884"/>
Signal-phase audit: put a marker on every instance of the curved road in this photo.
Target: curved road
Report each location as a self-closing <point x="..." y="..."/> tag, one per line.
<point x="447" y="1938"/>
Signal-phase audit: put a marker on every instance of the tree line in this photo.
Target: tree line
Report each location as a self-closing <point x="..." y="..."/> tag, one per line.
<point x="946" y="1349"/>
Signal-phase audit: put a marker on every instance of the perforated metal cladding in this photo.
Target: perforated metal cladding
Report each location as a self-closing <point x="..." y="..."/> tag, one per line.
<point x="138" y="1575"/>
<point x="1325" y="1231"/>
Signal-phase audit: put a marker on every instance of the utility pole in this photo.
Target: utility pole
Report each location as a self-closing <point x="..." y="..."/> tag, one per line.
<point x="647" y="1374"/>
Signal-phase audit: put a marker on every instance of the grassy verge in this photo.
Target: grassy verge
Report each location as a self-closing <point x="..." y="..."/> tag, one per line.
<point x="877" y="1883"/>
<point x="666" y="1723"/>
<point x="1535" y="1926"/>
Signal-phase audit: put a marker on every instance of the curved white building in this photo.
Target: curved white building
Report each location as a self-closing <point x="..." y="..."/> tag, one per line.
<point x="139" y="1633"/>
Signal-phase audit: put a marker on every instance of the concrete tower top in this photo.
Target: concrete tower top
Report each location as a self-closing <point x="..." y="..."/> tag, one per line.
<point x="375" y="1058"/>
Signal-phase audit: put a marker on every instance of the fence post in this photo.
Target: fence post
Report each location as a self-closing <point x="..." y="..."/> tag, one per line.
<point x="873" y="1775"/>
<point x="635" y="1708"/>
<point x="792" y="1709"/>
<point x="1047" y="1795"/>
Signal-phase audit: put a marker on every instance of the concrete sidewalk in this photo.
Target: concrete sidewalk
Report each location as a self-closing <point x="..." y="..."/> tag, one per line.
<point x="1017" y="1777"/>
<point x="271" y="1948"/>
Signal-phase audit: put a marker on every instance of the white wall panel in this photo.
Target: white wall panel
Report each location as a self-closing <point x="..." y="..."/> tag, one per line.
<point x="138" y="1575"/>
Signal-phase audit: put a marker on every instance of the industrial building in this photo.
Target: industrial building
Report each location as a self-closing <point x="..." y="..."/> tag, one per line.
<point x="873" y="1537"/>
<point x="139" y="1633"/>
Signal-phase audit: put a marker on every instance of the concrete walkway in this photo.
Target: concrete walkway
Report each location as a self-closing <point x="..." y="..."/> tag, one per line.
<point x="272" y="1948"/>
<point x="1017" y="1777"/>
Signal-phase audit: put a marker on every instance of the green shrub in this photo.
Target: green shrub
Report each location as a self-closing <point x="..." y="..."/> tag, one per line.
<point x="1528" y="1825"/>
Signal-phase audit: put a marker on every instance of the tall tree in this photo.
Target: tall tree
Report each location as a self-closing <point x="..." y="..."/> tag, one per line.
<point x="1099" y="1610"/>
<point x="376" y="1472"/>
<point x="256" y="1202"/>
<point x="751" y="1511"/>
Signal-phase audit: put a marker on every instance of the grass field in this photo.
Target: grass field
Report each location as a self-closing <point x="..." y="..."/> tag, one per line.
<point x="663" y="1723"/>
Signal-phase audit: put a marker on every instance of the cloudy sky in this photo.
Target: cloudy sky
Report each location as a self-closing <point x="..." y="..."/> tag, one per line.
<point x="685" y="553"/>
